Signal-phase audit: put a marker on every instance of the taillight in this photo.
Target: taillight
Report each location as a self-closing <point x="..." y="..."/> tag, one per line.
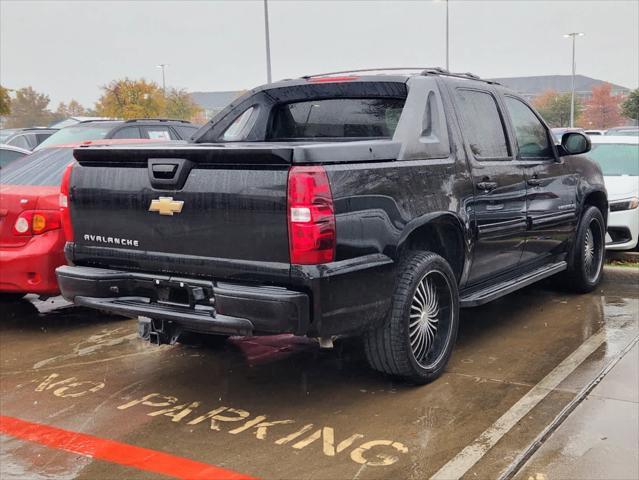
<point x="35" y="222"/>
<point x="311" y="216"/>
<point x="65" y="213"/>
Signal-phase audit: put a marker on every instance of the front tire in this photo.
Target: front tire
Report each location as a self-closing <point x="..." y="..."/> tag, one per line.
<point x="588" y="252"/>
<point x="417" y="339"/>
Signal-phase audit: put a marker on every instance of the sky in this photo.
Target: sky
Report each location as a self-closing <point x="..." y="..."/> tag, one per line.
<point x="69" y="49"/>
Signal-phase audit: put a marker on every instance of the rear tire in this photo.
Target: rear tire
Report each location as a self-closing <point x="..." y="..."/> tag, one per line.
<point x="588" y="253"/>
<point x="11" y="296"/>
<point x="417" y="339"/>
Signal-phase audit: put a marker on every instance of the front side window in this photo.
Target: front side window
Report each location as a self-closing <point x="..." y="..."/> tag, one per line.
<point x="336" y="118"/>
<point x="532" y="137"/>
<point x="20" y="141"/>
<point x="482" y="124"/>
<point x="78" y="133"/>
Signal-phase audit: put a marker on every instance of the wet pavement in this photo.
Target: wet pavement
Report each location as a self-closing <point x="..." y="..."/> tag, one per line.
<point x="281" y="408"/>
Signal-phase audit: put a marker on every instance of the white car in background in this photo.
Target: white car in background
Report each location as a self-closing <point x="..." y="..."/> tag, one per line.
<point x="618" y="157"/>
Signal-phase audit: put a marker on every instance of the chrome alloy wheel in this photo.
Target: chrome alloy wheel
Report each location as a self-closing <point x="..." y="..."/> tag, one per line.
<point x="593" y="250"/>
<point x="430" y="318"/>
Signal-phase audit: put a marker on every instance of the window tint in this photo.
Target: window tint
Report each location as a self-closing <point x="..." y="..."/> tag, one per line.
<point x="160" y="132"/>
<point x="185" y="131"/>
<point x="6" y="157"/>
<point x="41" y="137"/>
<point x="239" y="128"/>
<point x="128" y="132"/>
<point x="483" y="128"/>
<point x="44" y="167"/>
<point x="336" y="118"/>
<point x="532" y="137"/>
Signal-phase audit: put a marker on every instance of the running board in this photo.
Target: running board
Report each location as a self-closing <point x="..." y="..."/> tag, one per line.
<point x="479" y="297"/>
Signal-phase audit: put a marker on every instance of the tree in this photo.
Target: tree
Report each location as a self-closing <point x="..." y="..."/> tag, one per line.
<point x="180" y="105"/>
<point x="73" y="109"/>
<point x="128" y="98"/>
<point x="29" y="109"/>
<point x="630" y="106"/>
<point x="5" y="101"/>
<point x="554" y="107"/>
<point x="603" y="110"/>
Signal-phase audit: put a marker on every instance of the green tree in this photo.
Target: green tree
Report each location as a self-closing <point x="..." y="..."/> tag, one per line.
<point x="29" y="109"/>
<point x="630" y="106"/>
<point x="179" y="105"/>
<point x="127" y="98"/>
<point x="554" y="107"/>
<point x="5" y="101"/>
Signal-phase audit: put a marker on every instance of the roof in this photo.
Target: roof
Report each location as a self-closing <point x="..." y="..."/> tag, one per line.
<point x="560" y="83"/>
<point x="215" y="100"/>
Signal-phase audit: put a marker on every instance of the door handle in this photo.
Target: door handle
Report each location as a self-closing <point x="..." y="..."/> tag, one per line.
<point x="534" y="182"/>
<point x="487" y="186"/>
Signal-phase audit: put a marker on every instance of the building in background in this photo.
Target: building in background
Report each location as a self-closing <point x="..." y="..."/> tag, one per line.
<point x="214" y="102"/>
<point x="531" y="87"/>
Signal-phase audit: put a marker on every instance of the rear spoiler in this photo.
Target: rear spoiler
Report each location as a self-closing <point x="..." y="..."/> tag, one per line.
<point x="242" y="153"/>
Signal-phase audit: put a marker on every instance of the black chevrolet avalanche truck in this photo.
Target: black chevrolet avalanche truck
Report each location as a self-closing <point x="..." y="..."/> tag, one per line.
<point x="352" y="203"/>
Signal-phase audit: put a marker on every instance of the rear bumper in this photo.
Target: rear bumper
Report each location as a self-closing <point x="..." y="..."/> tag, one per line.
<point x="31" y="267"/>
<point x="194" y="304"/>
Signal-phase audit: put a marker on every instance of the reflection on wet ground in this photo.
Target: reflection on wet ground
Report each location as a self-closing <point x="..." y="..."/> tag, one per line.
<point x="316" y="413"/>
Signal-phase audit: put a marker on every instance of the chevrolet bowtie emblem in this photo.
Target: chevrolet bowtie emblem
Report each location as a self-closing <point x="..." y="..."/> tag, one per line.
<point x="166" y="206"/>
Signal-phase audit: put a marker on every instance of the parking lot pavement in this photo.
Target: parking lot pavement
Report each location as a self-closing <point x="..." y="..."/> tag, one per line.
<point x="74" y="382"/>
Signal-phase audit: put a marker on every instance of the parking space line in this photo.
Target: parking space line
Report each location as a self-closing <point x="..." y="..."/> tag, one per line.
<point x="472" y="453"/>
<point x="115" y="452"/>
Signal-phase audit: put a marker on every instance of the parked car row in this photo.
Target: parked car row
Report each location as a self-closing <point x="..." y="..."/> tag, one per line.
<point x="628" y="131"/>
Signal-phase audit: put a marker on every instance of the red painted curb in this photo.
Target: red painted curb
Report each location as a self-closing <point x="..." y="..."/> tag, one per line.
<point x="116" y="452"/>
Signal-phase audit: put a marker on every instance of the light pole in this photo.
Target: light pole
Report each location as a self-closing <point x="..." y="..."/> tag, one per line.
<point x="447" y="37"/>
<point x="163" y="66"/>
<point x="268" y="43"/>
<point x="447" y="34"/>
<point x="574" y="35"/>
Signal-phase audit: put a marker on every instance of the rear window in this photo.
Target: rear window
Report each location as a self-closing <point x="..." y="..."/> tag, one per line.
<point x="336" y="118"/>
<point x="44" y="167"/>
<point x="78" y="133"/>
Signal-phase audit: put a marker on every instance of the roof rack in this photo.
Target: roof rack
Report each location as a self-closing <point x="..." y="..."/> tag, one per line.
<point x="133" y="120"/>
<point x="363" y="70"/>
<point x="420" y="70"/>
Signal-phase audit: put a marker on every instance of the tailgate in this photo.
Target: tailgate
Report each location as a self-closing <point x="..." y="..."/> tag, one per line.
<point x="195" y="210"/>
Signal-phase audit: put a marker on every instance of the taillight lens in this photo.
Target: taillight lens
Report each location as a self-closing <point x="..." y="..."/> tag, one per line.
<point x="35" y="222"/>
<point x="311" y="216"/>
<point x="65" y="213"/>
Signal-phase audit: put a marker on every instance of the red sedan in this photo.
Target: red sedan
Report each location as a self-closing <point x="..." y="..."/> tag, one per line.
<point x="31" y="235"/>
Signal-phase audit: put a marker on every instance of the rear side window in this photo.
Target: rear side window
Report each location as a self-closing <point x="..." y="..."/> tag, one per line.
<point x="159" y="132"/>
<point x="128" y="132"/>
<point x="336" y="118"/>
<point x="483" y="127"/>
<point x="185" y="131"/>
<point x="44" y="167"/>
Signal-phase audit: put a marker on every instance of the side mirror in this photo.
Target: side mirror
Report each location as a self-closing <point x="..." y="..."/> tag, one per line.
<point x="574" y="143"/>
